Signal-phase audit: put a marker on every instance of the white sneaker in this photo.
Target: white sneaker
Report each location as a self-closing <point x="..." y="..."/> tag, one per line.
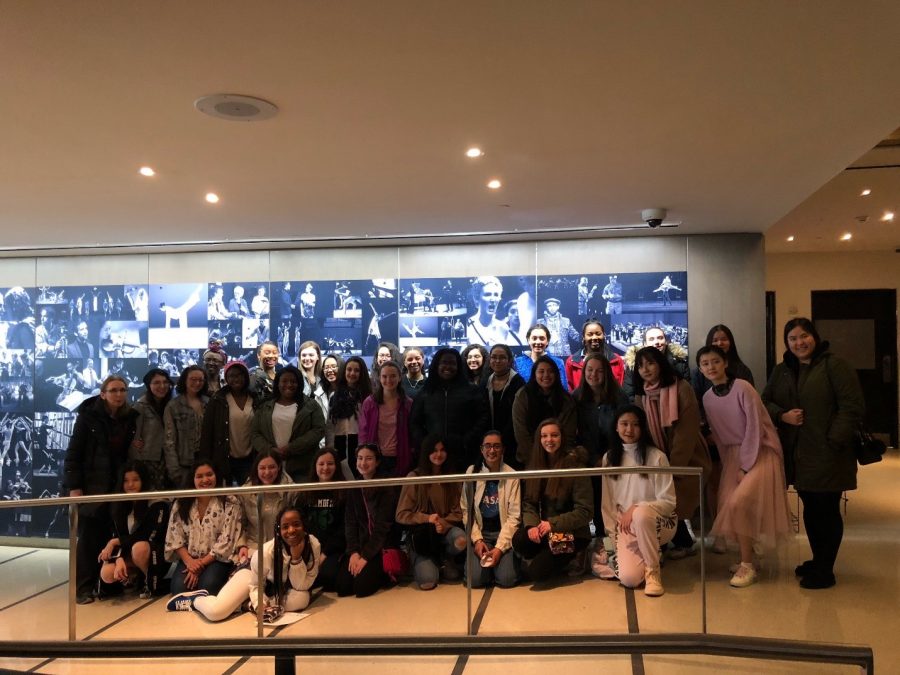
<point x="653" y="583"/>
<point x="745" y="575"/>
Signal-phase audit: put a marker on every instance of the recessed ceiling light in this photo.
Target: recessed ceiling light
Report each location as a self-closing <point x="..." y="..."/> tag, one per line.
<point x="888" y="216"/>
<point x="494" y="184"/>
<point x="865" y="193"/>
<point x="146" y="171"/>
<point x="474" y="152"/>
<point x="791" y="238"/>
<point x="846" y="236"/>
<point x="212" y="198"/>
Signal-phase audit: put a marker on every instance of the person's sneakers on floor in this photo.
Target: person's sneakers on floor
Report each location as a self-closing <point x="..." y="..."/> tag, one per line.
<point x="745" y="575"/>
<point x="145" y="593"/>
<point x="184" y="602"/>
<point x="653" y="583"/>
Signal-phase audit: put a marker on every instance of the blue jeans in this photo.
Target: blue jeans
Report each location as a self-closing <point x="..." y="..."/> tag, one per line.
<point x="211" y="579"/>
<point x="426" y="568"/>
<point x="505" y="575"/>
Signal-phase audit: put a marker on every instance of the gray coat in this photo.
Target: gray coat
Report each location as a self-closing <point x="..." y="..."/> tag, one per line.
<point x="818" y="455"/>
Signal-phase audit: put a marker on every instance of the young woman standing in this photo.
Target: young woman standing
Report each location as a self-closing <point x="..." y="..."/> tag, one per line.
<point x="752" y="498"/>
<point x="290" y="423"/>
<point x="384" y="420"/>
<point x="183" y="419"/>
<point x="353" y="388"/>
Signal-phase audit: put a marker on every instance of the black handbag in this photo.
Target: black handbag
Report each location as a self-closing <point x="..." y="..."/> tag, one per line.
<point x="866" y="447"/>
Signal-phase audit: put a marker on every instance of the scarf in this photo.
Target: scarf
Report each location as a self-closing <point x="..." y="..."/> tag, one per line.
<point x="661" y="405"/>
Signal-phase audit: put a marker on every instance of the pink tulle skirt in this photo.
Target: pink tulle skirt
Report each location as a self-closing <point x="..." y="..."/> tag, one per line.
<point x="754" y="505"/>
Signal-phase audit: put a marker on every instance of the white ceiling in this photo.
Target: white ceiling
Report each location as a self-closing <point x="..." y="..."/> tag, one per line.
<point x="729" y="114"/>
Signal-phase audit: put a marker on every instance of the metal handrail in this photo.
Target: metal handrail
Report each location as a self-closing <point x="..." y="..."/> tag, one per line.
<point x="260" y="490"/>
<point x="352" y="485"/>
<point x="286" y="650"/>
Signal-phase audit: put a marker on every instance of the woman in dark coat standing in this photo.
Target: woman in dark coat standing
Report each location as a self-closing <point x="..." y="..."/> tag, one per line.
<point x="451" y="408"/>
<point x="97" y="450"/>
<point x="816" y="403"/>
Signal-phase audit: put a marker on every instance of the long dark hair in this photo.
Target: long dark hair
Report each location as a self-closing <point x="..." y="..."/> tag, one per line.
<point x="616" y="447"/>
<point x="139" y="506"/>
<point x="610" y="389"/>
<point x="346" y="400"/>
<point x="181" y="387"/>
<point x="540" y="405"/>
<point x="475" y="376"/>
<point x="539" y="460"/>
<point x="667" y="376"/>
<point x="158" y="405"/>
<point x="254" y="471"/>
<point x="299" y="397"/>
<point x="732" y="358"/>
<point x="185" y="503"/>
<point x="429" y="443"/>
<point x="281" y="548"/>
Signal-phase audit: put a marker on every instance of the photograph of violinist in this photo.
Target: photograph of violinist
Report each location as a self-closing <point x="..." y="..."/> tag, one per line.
<point x="123" y="340"/>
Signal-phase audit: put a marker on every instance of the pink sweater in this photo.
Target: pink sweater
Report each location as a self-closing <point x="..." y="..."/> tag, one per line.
<point x="368" y="431"/>
<point x="739" y="418"/>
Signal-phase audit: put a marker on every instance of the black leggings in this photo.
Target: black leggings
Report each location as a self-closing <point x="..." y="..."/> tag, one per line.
<point x="366" y="583"/>
<point x="824" y="527"/>
<point x="543" y="564"/>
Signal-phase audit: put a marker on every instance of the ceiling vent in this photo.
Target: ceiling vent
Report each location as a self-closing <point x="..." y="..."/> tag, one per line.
<point x="236" y="108"/>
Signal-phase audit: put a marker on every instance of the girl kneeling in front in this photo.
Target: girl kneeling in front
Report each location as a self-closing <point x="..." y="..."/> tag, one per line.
<point x="638" y="509"/>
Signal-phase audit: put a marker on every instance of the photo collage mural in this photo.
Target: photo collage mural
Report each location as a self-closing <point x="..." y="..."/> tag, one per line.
<point x="57" y="343"/>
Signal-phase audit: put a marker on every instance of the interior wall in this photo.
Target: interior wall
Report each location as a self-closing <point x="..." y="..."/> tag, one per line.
<point x="726" y="272"/>
<point x="793" y="276"/>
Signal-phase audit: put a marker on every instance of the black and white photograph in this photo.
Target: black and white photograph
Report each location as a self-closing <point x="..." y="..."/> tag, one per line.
<point x="16" y="441"/>
<point x="621" y="302"/>
<point x="123" y="340"/>
<point x="60" y="385"/>
<point x="178" y="316"/>
<point x="379" y="318"/>
<point x="235" y="301"/>
<point x="51" y="435"/>
<point x="334" y="336"/>
<point x="16" y="364"/>
<point x="48" y="522"/>
<point x="627" y="330"/>
<point x="17" y="320"/>
<point x="17" y="395"/>
<point x="485" y="310"/>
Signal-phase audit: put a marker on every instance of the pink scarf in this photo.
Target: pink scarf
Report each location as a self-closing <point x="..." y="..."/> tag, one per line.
<point x="661" y="406"/>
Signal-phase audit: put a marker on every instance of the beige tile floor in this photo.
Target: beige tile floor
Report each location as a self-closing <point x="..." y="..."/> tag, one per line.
<point x="861" y="609"/>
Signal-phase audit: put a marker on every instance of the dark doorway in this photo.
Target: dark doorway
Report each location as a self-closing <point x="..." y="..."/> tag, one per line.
<point x="862" y="328"/>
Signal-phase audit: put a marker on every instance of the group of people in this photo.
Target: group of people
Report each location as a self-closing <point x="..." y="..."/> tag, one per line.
<point x="484" y="411"/>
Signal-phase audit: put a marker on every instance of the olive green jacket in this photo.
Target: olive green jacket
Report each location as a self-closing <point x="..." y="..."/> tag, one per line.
<point x="307" y="431"/>
<point x="818" y="455"/>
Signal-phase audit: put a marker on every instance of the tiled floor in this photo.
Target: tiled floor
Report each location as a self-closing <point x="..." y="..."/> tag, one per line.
<point x="861" y="609"/>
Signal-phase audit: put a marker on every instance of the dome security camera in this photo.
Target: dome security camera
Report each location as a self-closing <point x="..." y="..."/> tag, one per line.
<point x="653" y="217"/>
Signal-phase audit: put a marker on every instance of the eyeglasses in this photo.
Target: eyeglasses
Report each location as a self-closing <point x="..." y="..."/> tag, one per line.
<point x="492" y="446"/>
